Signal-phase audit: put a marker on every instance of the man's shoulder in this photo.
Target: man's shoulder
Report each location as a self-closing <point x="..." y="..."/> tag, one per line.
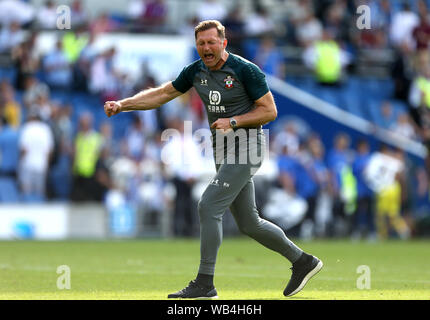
<point x="194" y="66"/>
<point x="245" y="69"/>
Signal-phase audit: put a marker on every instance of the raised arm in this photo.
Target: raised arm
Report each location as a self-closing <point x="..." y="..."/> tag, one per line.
<point x="145" y="100"/>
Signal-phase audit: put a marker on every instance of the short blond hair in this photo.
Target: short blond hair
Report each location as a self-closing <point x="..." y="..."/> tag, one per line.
<point x="209" y="24"/>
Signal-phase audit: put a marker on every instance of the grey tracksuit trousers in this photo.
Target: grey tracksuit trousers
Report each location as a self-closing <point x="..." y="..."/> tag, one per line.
<point x="233" y="187"/>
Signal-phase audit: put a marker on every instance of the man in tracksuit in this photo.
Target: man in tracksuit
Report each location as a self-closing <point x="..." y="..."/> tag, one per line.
<point x="238" y="102"/>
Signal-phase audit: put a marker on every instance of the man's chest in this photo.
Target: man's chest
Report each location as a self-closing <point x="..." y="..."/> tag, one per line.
<point x="220" y="90"/>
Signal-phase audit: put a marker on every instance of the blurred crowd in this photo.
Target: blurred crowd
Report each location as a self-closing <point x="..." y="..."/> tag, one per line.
<point x="49" y="151"/>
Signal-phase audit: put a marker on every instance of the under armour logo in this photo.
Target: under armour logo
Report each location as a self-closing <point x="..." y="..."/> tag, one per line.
<point x="215" y="182"/>
<point x="203" y="82"/>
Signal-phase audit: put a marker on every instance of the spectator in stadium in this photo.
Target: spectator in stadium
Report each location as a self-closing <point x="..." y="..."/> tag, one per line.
<point x="211" y="10"/>
<point x="104" y="76"/>
<point x="46" y="17"/>
<point x="33" y="88"/>
<point x="54" y="160"/>
<point x="364" y="218"/>
<point x="135" y="139"/>
<point x="327" y="60"/>
<point x="74" y="41"/>
<point x="234" y="24"/>
<point x="339" y="161"/>
<point x="82" y="67"/>
<point x="287" y="165"/>
<point x="421" y="35"/>
<point x="403" y="126"/>
<point x="187" y="29"/>
<point x="36" y="144"/>
<point x="56" y="67"/>
<point x="402" y="25"/>
<point x="387" y="117"/>
<point x="135" y="10"/>
<point x="44" y="106"/>
<point x="102" y="177"/>
<point x="11" y="36"/>
<point x="103" y="24"/>
<point x="79" y="14"/>
<point x="337" y="20"/>
<point x="402" y="72"/>
<point x="107" y="144"/>
<point x="269" y="57"/>
<point x="182" y="158"/>
<point x="419" y="107"/>
<point x="377" y="36"/>
<point x="25" y="62"/>
<point x="298" y="10"/>
<point x="65" y="125"/>
<point x="297" y="180"/>
<point x="308" y="30"/>
<point x="155" y="16"/>
<point x="10" y="109"/>
<point x="9" y="158"/>
<point x="419" y="96"/>
<point x="318" y="170"/>
<point x="307" y="187"/>
<point x="259" y="22"/>
<point x="287" y="137"/>
<point x="381" y="14"/>
<point x="312" y="177"/>
<point x="16" y="11"/>
<point x="87" y="148"/>
<point x="385" y="173"/>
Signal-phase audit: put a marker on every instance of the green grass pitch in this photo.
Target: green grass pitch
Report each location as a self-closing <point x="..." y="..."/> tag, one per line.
<point x="150" y="269"/>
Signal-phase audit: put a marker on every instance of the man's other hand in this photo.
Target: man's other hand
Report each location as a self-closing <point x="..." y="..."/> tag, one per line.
<point x="222" y="124"/>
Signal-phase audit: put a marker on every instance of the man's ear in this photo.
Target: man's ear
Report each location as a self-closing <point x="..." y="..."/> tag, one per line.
<point x="224" y="44"/>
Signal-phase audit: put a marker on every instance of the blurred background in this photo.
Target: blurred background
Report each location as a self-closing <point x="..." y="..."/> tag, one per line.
<point x="348" y="153"/>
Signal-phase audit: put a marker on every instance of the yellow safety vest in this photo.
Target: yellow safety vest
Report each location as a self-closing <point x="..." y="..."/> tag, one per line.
<point x="328" y="68"/>
<point x="349" y="189"/>
<point x="73" y="46"/>
<point x="424" y="86"/>
<point x="87" y="151"/>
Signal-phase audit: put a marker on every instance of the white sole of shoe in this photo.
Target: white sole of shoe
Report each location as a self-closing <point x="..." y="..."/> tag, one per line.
<point x="206" y="298"/>
<point x="311" y="273"/>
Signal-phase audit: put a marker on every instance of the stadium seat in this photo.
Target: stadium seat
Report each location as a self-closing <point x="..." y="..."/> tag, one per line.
<point x="61" y="96"/>
<point x="9" y="190"/>
<point x="8" y="74"/>
<point x="330" y="95"/>
<point x="399" y="107"/>
<point x="374" y="108"/>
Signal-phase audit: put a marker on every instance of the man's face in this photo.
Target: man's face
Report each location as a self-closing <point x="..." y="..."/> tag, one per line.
<point x="210" y="47"/>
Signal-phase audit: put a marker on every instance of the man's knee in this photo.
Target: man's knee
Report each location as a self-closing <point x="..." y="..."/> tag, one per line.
<point x="208" y="210"/>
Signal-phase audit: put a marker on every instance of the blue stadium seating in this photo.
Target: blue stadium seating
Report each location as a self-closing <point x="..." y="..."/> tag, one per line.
<point x="360" y="96"/>
<point x="8" y="74"/>
<point x="9" y="190"/>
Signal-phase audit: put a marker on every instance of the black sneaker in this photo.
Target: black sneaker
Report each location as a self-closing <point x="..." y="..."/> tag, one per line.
<point x="195" y="291"/>
<point x="303" y="269"/>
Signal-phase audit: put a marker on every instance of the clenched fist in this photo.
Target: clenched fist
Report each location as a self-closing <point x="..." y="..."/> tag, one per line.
<point x="222" y="124"/>
<point x="112" y="108"/>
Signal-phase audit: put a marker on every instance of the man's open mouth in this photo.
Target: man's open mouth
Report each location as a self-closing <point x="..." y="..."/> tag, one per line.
<point x="209" y="56"/>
